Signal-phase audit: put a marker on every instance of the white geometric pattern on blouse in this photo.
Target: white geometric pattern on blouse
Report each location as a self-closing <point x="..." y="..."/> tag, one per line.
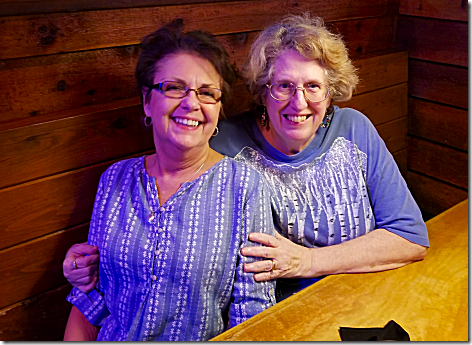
<point x="333" y="183"/>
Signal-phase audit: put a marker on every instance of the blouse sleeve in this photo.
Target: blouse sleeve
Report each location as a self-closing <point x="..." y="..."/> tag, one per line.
<point x="394" y="207"/>
<point x="250" y="297"/>
<point x="92" y="305"/>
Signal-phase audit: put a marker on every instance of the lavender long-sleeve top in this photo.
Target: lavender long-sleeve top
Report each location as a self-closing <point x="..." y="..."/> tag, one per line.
<point x="174" y="271"/>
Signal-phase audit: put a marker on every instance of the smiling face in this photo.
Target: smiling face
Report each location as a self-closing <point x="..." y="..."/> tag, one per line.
<point x="293" y="123"/>
<point x="184" y="123"/>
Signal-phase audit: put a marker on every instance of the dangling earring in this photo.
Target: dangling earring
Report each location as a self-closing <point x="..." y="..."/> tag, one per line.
<point x="217" y="131"/>
<point x="147" y="120"/>
<point x="329" y="116"/>
<point x="264" y="118"/>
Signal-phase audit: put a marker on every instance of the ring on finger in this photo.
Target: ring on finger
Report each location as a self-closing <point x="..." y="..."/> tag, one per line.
<point x="74" y="263"/>
<point x="273" y="265"/>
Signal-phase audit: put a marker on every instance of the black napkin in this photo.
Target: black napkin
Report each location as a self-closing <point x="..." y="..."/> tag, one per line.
<point x="391" y="331"/>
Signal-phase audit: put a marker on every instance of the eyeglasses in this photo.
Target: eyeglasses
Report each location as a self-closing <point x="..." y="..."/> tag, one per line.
<point x="313" y="91"/>
<point x="175" y="89"/>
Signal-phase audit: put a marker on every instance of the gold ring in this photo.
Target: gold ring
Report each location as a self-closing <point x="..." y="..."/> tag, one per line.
<point x="74" y="264"/>
<point x="273" y="265"/>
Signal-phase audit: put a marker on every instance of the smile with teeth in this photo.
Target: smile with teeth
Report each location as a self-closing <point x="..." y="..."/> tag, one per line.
<point x="297" y="118"/>
<point x="186" y="122"/>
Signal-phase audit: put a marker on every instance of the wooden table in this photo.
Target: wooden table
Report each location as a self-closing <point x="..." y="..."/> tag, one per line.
<point x="429" y="299"/>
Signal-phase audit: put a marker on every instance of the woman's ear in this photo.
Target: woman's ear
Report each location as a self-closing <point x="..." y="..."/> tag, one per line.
<point x="146" y="98"/>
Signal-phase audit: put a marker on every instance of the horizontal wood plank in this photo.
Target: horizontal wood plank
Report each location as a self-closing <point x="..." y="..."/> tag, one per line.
<point x="44" y="206"/>
<point x="438" y="161"/>
<point x="443" y="124"/>
<point x="66" y="32"/>
<point x="434" y="40"/>
<point x="49" y="148"/>
<point x="382" y="70"/>
<point x="35" y="267"/>
<point x="449" y="9"/>
<point x="394" y="134"/>
<point x="382" y="105"/>
<point x="432" y="195"/>
<point x="66" y="81"/>
<point x="366" y="35"/>
<point x="39" y="318"/>
<point x="439" y="83"/>
<point x="16" y="7"/>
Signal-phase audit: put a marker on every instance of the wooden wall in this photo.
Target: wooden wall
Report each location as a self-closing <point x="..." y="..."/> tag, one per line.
<point x="69" y="109"/>
<point x="435" y="33"/>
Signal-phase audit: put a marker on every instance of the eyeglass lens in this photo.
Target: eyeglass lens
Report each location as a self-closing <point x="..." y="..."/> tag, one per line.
<point x="174" y="89"/>
<point x="314" y="92"/>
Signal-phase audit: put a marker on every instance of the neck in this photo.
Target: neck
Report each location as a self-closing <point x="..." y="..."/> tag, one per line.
<point x="177" y="165"/>
<point x="288" y="147"/>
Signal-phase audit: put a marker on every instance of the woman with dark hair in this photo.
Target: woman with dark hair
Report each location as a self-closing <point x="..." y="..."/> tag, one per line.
<point x="170" y="226"/>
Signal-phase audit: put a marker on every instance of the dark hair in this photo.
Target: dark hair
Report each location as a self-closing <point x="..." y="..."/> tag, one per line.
<point x="170" y="39"/>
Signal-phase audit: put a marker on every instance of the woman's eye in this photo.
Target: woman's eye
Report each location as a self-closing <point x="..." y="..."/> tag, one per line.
<point x="173" y="87"/>
<point x="207" y="92"/>
<point x="313" y="87"/>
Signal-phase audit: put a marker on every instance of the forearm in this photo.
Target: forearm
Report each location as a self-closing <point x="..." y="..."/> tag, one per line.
<point x="378" y="250"/>
<point x="78" y="328"/>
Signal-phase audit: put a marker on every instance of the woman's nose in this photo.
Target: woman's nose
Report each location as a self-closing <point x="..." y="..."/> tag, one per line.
<point x="298" y="100"/>
<point x="190" y="102"/>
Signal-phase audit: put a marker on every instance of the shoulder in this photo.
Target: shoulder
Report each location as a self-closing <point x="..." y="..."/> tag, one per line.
<point x="247" y="175"/>
<point x="234" y="134"/>
<point x="354" y="126"/>
<point x="124" y="167"/>
<point x="351" y="117"/>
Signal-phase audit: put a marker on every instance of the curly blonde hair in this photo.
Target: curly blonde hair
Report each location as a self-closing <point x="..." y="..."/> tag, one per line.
<point x="311" y="39"/>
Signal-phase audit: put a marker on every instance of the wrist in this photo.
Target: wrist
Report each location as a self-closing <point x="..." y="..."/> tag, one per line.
<point x="310" y="270"/>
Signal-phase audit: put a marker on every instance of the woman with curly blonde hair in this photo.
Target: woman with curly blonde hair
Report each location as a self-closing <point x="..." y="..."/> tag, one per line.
<point x="339" y="201"/>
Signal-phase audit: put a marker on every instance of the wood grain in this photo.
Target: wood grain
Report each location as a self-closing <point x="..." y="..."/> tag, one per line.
<point x="44" y="206"/>
<point x="49" y="148"/>
<point x="441" y="162"/>
<point x="434" y="40"/>
<point x="381" y="105"/>
<point x="442" y="124"/>
<point x="441" y="9"/>
<point x="434" y="196"/>
<point x="44" y="34"/>
<point x="382" y="70"/>
<point x="9" y="7"/>
<point x="39" y="318"/>
<point x="429" y="299"/>
<point x="394" y="134"/>
<point x="35" y="267"/>
<point x="439" y="83"/>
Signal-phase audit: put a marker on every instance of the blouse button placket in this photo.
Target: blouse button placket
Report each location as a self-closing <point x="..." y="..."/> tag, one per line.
<point x="157" y="250"/>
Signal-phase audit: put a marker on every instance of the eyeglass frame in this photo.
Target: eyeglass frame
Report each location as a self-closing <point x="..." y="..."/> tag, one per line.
<point x="295" y="91"/>
<point x="158" y="87"/>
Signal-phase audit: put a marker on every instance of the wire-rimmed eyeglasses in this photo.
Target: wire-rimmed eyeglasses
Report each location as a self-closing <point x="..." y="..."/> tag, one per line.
<point x="313" y="91"/>
<point x="176" y="89"/>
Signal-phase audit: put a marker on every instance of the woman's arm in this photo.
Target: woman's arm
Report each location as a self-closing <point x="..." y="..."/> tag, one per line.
<point x="78" y="328"/>
<point x="378" y="250"/>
